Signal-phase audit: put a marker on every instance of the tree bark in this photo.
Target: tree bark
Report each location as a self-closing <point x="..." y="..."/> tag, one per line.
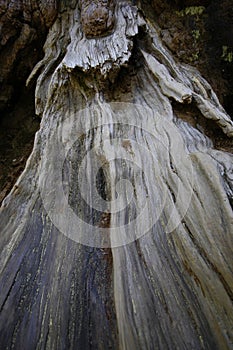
<point x="118" y="234"/>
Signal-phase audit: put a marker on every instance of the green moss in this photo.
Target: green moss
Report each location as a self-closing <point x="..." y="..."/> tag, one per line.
<point x="191" y="11"/>
<point x="196" y="34"/>
<point x="227" y="54"/>
<point x="195" y="57"/>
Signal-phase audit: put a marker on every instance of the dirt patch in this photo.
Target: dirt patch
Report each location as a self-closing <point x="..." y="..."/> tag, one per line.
<point x="18" y="126"/>
<point x="200" y="33"/>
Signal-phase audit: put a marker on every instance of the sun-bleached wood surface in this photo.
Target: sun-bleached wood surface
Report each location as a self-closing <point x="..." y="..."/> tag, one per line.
<point x="118" y="234"/>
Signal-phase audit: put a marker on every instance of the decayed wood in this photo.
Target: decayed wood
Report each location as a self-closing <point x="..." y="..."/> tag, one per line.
<point x="80" y="268"/>
<point x="22" y="24"/>
<point x="97" y="17"/>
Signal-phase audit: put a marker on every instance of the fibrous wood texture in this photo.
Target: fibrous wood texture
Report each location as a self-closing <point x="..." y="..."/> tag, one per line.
<point x="118" y="234"/>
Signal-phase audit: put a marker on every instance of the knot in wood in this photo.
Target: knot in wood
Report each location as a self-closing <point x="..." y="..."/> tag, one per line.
<point x="97" y="17"/>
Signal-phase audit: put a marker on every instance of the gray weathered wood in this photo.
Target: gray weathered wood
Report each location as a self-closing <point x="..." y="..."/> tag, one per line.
<point x="162" y="280"/>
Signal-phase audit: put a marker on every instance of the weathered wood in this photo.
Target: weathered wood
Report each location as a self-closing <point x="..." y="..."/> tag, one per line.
<point x="88" y="260"/>
<point x="97" y="17"/>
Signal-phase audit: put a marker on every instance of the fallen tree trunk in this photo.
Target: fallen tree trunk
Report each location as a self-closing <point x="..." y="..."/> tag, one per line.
<point x="118" y="234"/>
